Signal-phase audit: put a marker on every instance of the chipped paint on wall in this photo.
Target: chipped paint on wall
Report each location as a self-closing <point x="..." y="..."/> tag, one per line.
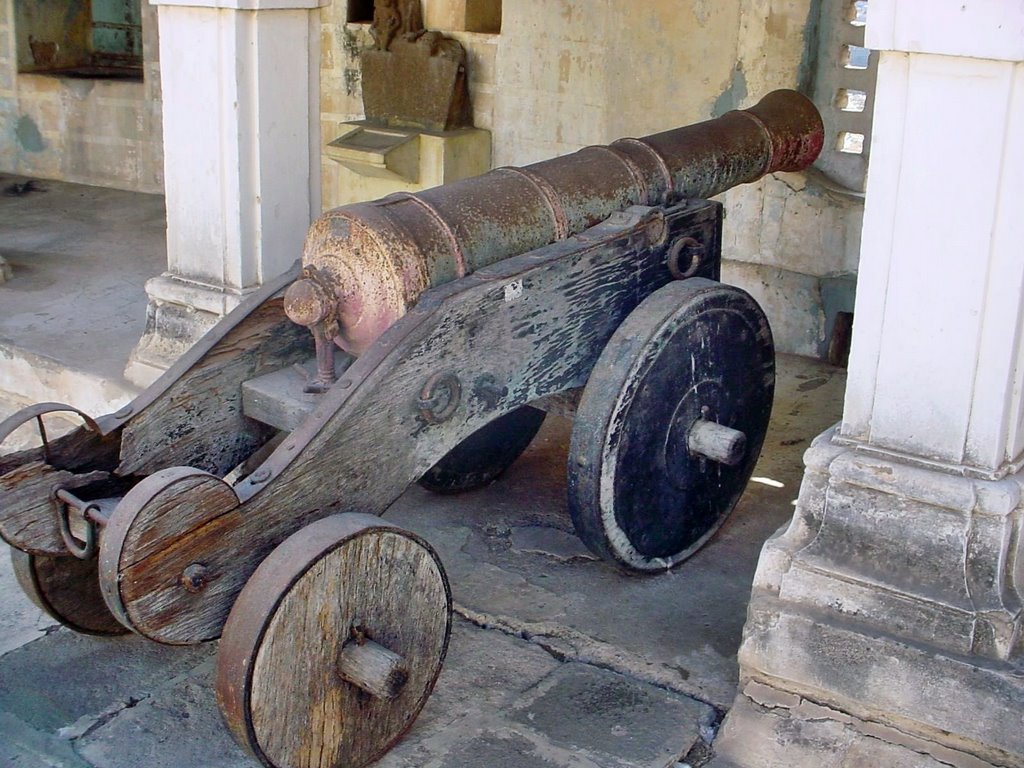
<point x="734" y="95"/>
<point x="27" y="133"/>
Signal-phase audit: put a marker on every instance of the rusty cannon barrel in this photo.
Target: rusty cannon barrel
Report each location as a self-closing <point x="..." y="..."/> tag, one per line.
<point x="365" y="264"/>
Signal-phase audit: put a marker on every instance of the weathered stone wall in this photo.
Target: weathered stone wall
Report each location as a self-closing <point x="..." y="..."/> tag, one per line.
<point x="562" y="74"/>
<point x="92" y="131"/>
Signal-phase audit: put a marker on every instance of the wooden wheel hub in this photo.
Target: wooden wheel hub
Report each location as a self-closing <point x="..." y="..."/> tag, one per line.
<point x="334" y="645"/>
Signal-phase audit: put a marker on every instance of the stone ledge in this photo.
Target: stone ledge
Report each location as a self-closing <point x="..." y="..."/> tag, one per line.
<point x="914" y="689"/>
<point x="28" y="377"/>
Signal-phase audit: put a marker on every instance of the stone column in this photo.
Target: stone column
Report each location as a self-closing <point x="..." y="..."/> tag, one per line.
<point x="240" y="82"/>
<point x="885" y="625"/>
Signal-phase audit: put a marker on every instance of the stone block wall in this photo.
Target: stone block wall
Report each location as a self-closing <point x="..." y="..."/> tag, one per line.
<point x="562" y="74"/>
<point x="103" y="132"/>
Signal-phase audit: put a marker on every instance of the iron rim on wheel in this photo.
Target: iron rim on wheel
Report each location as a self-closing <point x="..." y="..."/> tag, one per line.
<point x="670" y="424"/>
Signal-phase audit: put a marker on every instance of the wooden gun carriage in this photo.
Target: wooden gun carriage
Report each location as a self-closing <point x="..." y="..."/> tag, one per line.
<point x="238" y="497"/>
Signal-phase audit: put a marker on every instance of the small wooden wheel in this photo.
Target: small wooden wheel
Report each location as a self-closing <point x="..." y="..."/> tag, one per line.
<point x="480" y="458"/>
<point x="67" y="589"/>
<point x="334" y="644"/>
<point x="670" y="424"/>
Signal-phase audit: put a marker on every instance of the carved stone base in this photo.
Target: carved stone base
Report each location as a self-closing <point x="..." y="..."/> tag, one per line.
<point x="893" y="603"/>
<point x="179" y="313"/>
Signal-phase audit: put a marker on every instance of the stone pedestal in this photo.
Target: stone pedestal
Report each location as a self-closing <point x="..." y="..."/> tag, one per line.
<point x="240" y="84"/>
<point x="378" y="161"/>
<point x="892" y="606"/>
<point x="886" y="625"/>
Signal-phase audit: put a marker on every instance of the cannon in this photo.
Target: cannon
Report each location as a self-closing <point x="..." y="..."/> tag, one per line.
<point x="422" y="339"/>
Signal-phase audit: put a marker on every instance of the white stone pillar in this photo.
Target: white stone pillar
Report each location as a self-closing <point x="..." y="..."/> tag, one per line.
<point x="936" y="370"/>
<point x="240" y="85"/>
<point x="886" y="622"/>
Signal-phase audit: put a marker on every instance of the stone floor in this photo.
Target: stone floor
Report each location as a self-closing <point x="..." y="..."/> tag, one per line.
<point x="557" y="659"/>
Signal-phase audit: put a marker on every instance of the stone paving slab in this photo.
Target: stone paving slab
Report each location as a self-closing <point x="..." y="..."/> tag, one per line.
<point x="613" y="719"/>
<point x="20" y="621"/>
<point x="68" y="684"/>
<point x="70" y="700"/>
<point x="812" y="736"/>
<point x="75" y="304"/>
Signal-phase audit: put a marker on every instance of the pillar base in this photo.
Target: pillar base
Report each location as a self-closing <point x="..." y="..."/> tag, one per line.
<point x="888" y="614"/>
<point x="771" y="728"/>
<point x="180" y="311"/>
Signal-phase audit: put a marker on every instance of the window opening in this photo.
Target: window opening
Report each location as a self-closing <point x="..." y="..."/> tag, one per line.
<point x="455" y="15"/>
<point x="851" y="143"/>
<point x="856" y="57"/>
<point x="360" y="11"/>
<point x="80" y="38"/>
<point x="843" y="90"/>
<point x="857" y="13"/>
<point x="851" y="100"/>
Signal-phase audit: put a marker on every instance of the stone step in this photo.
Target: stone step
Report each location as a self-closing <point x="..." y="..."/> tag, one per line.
<point x="28" y="377"/>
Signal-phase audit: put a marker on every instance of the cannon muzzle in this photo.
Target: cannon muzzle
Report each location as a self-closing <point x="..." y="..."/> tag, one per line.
<point x="365" y="264"/>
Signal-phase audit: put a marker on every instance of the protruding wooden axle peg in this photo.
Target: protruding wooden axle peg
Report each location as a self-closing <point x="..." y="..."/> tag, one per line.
<point x="373" y="668"/>
<point x="716" y="442"/>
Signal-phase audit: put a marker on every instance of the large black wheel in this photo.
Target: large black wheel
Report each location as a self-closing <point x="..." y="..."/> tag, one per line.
<point x="670" y="424"/>
<point x="480" y="458"/>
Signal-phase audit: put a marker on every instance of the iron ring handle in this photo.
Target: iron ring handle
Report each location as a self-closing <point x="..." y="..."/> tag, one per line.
<point x="688" y="250"/>
<point x="83" y="550"/>
<point x="439" y="398"/>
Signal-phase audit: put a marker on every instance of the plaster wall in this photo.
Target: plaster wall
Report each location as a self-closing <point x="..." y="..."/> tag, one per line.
<point x="92" y="131"/>
<point x="562" y="74"/>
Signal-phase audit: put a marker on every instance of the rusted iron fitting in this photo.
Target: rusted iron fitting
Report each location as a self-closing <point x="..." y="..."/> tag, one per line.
<point x="195" y="578"/>
<point x="311" y="301"/>
<point x="371" y="261"/>
<point x="87" y="512"/>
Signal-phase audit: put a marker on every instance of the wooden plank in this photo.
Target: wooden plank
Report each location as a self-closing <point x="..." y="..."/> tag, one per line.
<point x="199" y="422"/>
<point x="78" y="450"/>
<point x="28" y="517"/>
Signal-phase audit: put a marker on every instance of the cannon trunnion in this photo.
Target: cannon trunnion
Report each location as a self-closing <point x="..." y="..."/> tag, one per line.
<point x="231" y="500"/>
